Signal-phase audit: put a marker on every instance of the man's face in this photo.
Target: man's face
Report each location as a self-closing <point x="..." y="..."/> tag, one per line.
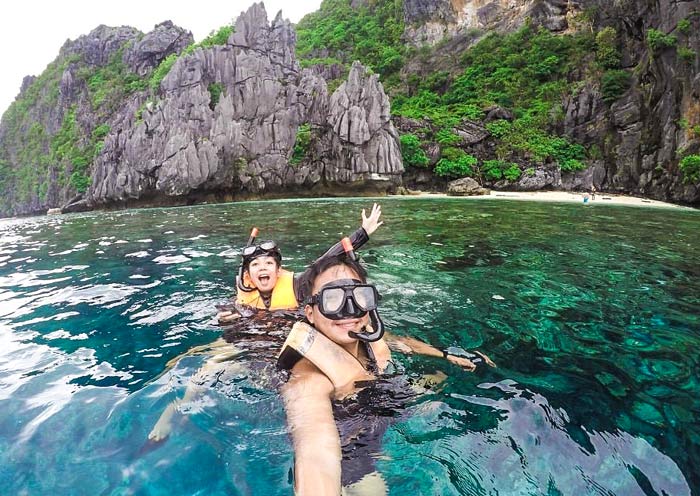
<point x="263" y="272"/>
<point x="335" y="330"/>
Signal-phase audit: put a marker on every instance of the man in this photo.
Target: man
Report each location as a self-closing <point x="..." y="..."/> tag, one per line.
<point x="326" y="359"/>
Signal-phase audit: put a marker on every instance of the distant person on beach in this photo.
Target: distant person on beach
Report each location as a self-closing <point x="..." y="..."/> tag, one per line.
<point x="586" y="196"/>
<point x="592" y="192"/>
<point x="336" y="352"/>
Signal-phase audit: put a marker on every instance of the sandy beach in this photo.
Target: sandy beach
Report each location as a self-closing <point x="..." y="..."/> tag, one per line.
<point x="568" y="196"/>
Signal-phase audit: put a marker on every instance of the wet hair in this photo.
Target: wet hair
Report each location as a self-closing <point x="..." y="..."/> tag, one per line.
<point x="326" y="263"/>
<point x="275" y="254"/>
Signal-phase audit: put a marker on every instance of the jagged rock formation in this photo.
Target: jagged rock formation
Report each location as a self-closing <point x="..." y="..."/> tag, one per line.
<point x="147" y="53"/>
<point x="244" y="143"/>
<point x="225" y="119"/>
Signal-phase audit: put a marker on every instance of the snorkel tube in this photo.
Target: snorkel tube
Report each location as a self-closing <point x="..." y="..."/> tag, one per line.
<point x="239" y="278"/>
<point x="377" y="324"/>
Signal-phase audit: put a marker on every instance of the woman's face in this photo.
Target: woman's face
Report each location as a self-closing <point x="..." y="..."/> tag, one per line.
<point x="335" y="330"/>
<point x="263" y="272"/>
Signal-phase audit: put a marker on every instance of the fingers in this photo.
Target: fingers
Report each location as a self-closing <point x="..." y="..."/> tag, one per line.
<point x="465" y="363"/>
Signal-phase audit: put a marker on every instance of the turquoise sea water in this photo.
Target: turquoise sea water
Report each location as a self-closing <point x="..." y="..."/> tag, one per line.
<point x="591" y="313"/>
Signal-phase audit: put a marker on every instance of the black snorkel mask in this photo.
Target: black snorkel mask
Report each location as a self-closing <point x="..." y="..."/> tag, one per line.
<point x="350" y="299"/>
<point x="252" y="251"/>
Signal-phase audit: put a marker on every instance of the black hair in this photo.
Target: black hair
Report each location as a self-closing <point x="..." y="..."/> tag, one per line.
<point x="274" y="254"/>
<point x="325" y="263"/>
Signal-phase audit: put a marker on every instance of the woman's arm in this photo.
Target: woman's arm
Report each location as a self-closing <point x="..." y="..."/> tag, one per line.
<point x="317" y="454"/>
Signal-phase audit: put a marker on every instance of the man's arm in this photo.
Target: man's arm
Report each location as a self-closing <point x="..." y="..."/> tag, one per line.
<point x="315" y="437"/>
<point x="411" y="345"/>
<point x="302" y="285"/>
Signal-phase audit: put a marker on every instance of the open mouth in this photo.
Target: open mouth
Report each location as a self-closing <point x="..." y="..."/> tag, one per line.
<point x="264" y="279"/>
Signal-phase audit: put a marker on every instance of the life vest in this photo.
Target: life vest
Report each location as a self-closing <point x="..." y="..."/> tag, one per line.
<point x="283" y="297"/>
<point x="335" y="362"/>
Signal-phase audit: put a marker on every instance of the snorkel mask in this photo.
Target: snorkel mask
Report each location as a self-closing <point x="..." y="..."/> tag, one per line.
<point x="252" y="251"/>
<point x="350" y="299"/>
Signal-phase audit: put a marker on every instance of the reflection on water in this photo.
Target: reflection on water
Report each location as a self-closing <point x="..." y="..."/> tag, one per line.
<point x="590" y="313"/>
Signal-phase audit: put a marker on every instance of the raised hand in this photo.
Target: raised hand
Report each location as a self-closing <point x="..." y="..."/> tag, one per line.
<point x="371" y="223"/>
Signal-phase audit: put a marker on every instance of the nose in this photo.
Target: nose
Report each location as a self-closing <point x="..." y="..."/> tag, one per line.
<point x="349" y="307"/>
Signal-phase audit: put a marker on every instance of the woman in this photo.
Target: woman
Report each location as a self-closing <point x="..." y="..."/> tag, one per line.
<point x="263" y="284"/>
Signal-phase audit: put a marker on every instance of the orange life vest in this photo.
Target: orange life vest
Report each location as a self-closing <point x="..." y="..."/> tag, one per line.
<point x="283" y="297"/>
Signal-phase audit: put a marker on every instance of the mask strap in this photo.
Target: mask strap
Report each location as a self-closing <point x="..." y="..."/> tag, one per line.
<point x="240" y="283"/>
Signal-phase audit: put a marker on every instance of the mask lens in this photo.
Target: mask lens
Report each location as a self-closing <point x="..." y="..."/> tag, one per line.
<point x="268" y="245"/>
<point x="249" y="250"/>
<point x="333" y="299"/>
<point x="364" y="297"/>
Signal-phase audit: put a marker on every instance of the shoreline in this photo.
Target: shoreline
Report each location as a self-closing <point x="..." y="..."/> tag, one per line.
<point x="564" y="197"/>
<point x="540" y="196"/>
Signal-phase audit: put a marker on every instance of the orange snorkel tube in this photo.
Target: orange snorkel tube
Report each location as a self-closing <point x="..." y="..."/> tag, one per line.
<point x="239" y="278"/>
<point x="377" y="324"/>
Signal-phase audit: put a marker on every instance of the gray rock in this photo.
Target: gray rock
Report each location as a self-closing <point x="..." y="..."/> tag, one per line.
<point x="147" y="53"/>
<point x="542" y="178"/>
<point x="184" y="146"/>
<point x="466" y="186"/>
<point x="471" y="132"/>
<point x="98" y="47"/>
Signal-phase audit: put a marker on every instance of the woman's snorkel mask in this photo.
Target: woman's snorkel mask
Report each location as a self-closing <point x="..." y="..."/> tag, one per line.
<point x="350" y="299"/>
<point x="252" y="251"/>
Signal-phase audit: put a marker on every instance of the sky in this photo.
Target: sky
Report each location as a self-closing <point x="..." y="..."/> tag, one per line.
<point x="33" y="31"/>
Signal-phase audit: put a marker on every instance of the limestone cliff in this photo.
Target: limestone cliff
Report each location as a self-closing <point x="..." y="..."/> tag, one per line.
<point x="124" y="118"/>
<point x="223" y="121"/>
<point x="641" y="136"/>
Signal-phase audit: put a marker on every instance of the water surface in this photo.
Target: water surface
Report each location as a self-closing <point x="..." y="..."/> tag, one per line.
<point x="590" y="312"/>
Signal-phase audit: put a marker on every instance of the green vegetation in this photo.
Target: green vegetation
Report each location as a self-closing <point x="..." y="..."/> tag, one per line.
<point x="684" y="26"/>
<point x="110" y="84"/>
<point x="658" y="40"/>
<point x="607" y="52"/>
<point x="25" y="132"/>
<point x="525" y="73"/>
<point x="687" y="55"/>
<point x="215" y="90"/>
<point x="446" y="136"/>
<point x="216" y="37"/>
<point x="411" y="151"/>
<point x="302" y="144"/>
<point x="495" y="170"/>
<point x="100" y="131"/>
<point x="66" y="149"/>
<point x="371" y="34"/>
<point x="614" y="84"/>
<point x="162" y="70"/>
<point x="455" y="163"/>
<point x="690" y="167"/>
